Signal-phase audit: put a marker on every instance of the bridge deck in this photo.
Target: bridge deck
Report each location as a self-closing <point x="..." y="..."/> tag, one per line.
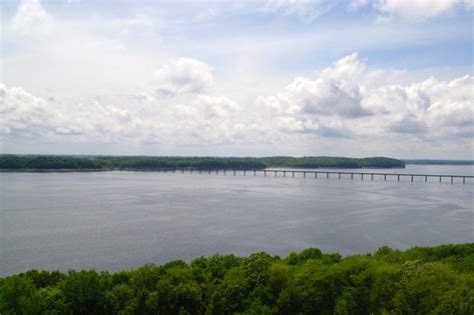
<point x="339" y="174"/>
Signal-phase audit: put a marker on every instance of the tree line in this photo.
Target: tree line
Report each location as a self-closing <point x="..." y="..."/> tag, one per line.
<point x="53" y="162"/>
<point x="431" y="280"/>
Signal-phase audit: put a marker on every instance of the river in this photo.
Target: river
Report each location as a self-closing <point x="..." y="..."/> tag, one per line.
<point x="118" y="220"/>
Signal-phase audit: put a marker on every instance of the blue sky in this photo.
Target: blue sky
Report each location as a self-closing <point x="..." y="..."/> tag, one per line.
<point x="355" y="78"/>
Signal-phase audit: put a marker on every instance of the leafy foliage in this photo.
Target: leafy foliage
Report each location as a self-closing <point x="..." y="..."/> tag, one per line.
<point x="332" y="162"/>
<point x="47" y="162"/>
<point x="436" y="280"/>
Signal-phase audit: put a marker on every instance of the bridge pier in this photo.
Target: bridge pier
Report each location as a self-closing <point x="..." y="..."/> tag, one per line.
<point x="316" y="173"/>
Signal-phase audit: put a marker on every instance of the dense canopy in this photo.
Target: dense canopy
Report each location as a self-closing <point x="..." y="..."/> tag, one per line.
<point x="437" y="280"/>
<point x="53" y="162"/>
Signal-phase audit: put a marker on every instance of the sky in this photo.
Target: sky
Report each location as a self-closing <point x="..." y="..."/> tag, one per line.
<point x="238" y="78"/>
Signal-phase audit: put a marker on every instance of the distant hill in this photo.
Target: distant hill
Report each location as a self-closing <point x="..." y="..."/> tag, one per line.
<point x="84" y="163"/>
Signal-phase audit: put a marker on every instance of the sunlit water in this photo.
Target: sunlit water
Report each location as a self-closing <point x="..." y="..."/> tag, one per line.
<point x="117" y="220"/>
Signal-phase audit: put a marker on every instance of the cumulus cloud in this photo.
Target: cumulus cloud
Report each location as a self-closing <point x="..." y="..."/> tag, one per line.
<point x="185" y="75"/>
<point x="205" y="119"/>
<point x="320" y="104"/>
<point x="323" y="97"/>
<point x="344" y="100"/>
<point x="23" y="114"/>
<point x="210" y="120"/>
<point x="332" y="92"/>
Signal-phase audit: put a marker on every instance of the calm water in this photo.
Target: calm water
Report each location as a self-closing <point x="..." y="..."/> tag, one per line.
<point x="117" y="220"/>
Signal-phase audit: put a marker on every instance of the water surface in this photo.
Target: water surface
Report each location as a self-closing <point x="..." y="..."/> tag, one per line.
<point x="116" y="220"/>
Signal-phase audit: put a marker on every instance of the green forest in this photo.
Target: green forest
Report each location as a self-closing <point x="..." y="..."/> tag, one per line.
<point x="55" y="162"/>
<point x="430" y="280"/>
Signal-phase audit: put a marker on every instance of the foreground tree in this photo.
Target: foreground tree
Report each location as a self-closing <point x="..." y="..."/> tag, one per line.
<point x="436" y="280"/>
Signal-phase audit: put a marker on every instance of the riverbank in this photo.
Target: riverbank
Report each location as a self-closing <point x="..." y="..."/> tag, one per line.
<point x="418" y="280"/>
<point x="28" y="163"/>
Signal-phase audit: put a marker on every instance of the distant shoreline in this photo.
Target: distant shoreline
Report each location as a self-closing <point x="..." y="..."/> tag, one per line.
<point x="89" y="164"/>
<point x="73" y="170"/>
<point x="54" y="163"/>
<point x="94" y="170"/>
<point x="439" y="162"/>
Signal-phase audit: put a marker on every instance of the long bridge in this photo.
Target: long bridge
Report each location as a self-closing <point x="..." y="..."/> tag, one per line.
<point x="329" y="174"/>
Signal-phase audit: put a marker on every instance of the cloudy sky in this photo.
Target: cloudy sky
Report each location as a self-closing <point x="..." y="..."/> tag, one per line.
<point x="238" y="78"/>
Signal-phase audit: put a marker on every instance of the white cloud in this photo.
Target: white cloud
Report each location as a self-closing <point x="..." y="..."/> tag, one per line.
<point x="420" y="8"/>
<point x="211" y="120"/>
<point x="185" y="75"/>
<point x="309" y="10"/>
<point x="30" y="16"/>
<point x="205" y="120"/>
<point x="23" y="114"/>
<point x="77" y="56"/>
<point x="103" y="78"/>
<point x="344" y="101"/>
<point x="341" y="102"/>
<point x="333" y="92"/>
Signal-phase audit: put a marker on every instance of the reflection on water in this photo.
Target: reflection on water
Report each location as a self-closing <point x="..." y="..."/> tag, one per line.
<point x="117" y="220"/>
